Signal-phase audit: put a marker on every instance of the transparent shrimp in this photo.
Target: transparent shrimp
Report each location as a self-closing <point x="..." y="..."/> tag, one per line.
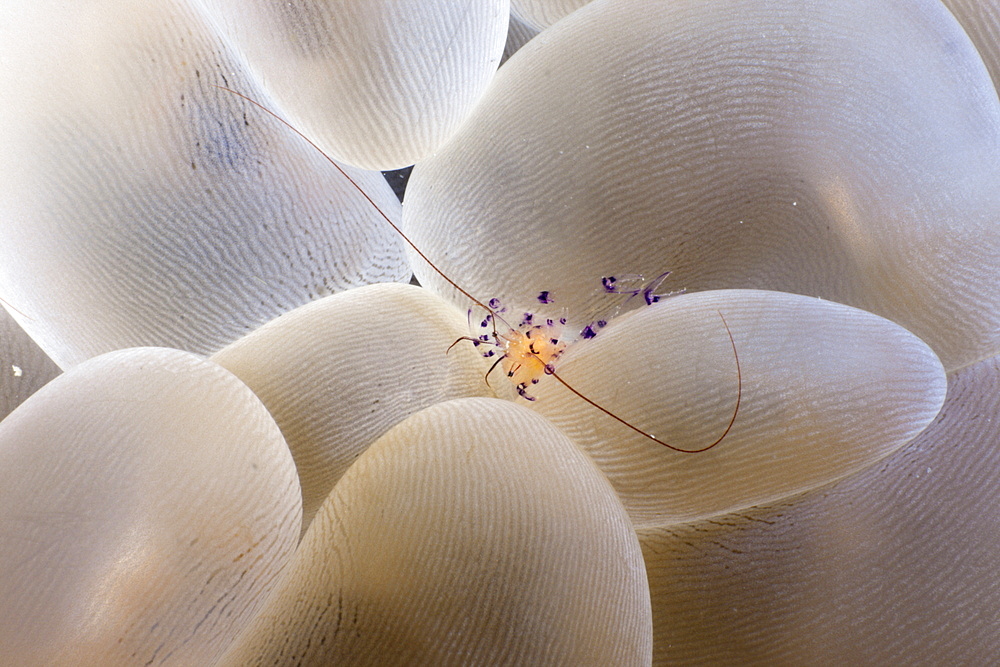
<point x="529" y="351"/>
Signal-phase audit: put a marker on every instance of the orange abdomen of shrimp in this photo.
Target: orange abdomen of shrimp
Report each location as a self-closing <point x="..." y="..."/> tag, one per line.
<point x="529" y="352"/>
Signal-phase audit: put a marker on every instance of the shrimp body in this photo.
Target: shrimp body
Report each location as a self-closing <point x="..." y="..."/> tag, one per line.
<point x="530" y="353"/>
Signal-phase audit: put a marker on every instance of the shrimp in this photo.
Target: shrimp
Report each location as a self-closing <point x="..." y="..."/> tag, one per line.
<point x="529" y="352"/>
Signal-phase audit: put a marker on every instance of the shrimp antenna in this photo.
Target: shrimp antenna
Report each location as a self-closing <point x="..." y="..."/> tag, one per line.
<point x="363" y="193"/>
<point x="549" y="370"/>
<point x="11" y="306"/>
<point x="732" y="420"/>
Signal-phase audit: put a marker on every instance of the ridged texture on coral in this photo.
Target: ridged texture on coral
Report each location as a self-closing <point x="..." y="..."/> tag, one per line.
<point x="846" y="150"/>
<point x="147" y="505"/>
<point x="896" y="565"/>
<point x="543" y="13"/>
<point x="380" y="83"/>
<point x="472" y="533"/>
<point x="143" y="206"/>
<point x="981" y="20"/>
<point x="519" y="32"/>
<point x="826" y="390"/>
<point x="339" y="372"/>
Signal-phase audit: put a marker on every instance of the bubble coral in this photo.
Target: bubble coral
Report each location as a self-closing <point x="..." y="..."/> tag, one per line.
<point x="820" y="173"/>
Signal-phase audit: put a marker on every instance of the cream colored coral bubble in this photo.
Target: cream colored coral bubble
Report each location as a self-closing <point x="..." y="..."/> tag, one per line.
<point x="141" y="205"/>
<point x="847" y="150"/>
<point x="147" y="504"/>
<point x="472" y="533"/>
<point x="519" y="33"/>
<point x="893" y="566"/>
<point x="542" y="13"/>
<point x="981" y="20"/>
<point x="339" y="372"/>
<point x="379" y="83"/>
<point x="826" y="390"/>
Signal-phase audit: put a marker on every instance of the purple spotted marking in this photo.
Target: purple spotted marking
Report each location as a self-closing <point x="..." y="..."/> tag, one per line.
<point x="590" y="332"/>
<point x="494" y="303"/>
<point x="543" y="297"/>
<point x="646" y="289"/>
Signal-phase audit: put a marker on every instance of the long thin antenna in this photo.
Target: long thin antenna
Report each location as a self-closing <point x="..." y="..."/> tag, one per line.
<point x="549" y="369"/>
<point x="361" y="190"/>
<point x="8" y="304"/>
<point x="729" y="426"/>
